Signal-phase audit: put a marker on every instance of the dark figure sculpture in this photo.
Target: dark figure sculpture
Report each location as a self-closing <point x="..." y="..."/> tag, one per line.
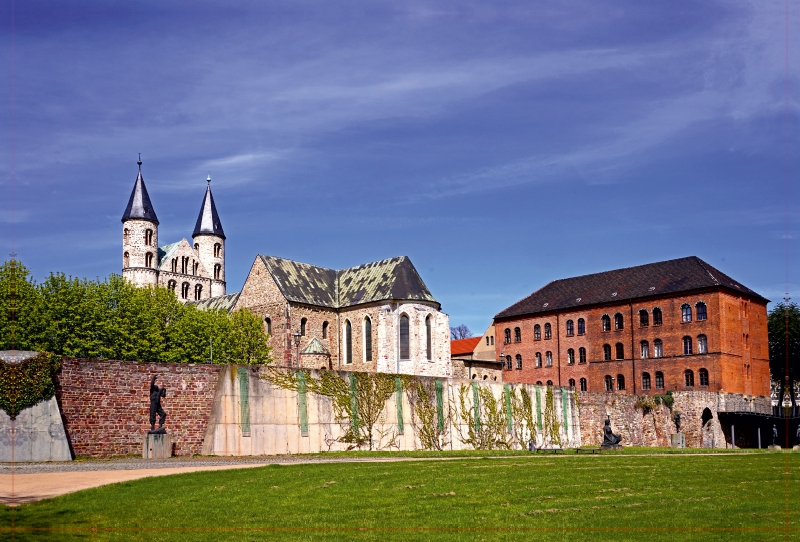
<point x="609" y="438"/>
<point x="531" y="445"/>
<point x="774" y="434"/>
<point x="678" y="422"/>
<point x="156" y="394"/>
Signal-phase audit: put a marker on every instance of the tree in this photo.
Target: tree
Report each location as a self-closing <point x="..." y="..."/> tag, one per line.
<point x="460" y="332"/>
<point x="247" y="341"/>
<point x="19" y="307"/>
<point x="784" y="348"/>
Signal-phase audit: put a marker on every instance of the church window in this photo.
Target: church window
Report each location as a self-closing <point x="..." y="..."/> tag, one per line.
<point x="688" y="377"/>
<point x="609" y="383"/>
<point x="570" y="356"/>
<point x="537" y="332"/>
<point x="148" y="259"/>
<point x="517" y="335"/>
<point x="195" y="267"/>
<point x="701" y="311"/>
<point x="508" y="335"/>
<point x="620" y="383"/>
<point x="548" y="331"/>
<point x="217" y="271"/>
<point x="172" y="285"/>
<point x="702" y="344"/>
<point x="217" y="250"/>
<point x="581" y="355"/>
<point x="583" y="384"/>
<point x="645" y="349"/>
<point x="570" y="328"/>
<point x="657" y="320"/>
<point x="548" y="359"/>
<point x="645" y="381"/>
<point x="126" y="260"/>
<point x="148" y="237"/>
<point x="644" y="318"/>
<point x="581" y="326"/>
<point x="268" y="322"/>
<point x="620" y="351"/>
<point x="519" y="361"/>
<point x="659" y="380"/>
<point x="197" y="247"/>
<point x="198" y="292"/>
<point x="606" y="322"/>
<point x="185" y="290"/>
<point x="184" y="264"/>
<point x="125" y="235"/>
<point x="303" y="322"/>
<point x="703" y="374"/>
<point x="405" y="339"/>
<point x="686" y="313"/>
<point x="658" y="349"/>
<point x="367" y="339"/>
<point x="538" y="359"/>
<point x="428" y="338"/>
<point x="571" y="382"/>
<point x="174" y="265"/>
<point x="687" y="346"/>
<point x="324" y="330"/>
<point x="348" y="342"/>
<point x="607" y="352"/>
<point x="618" y="323"/>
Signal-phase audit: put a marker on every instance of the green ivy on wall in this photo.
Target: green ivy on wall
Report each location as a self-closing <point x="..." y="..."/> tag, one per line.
<point x="27" y="383"/>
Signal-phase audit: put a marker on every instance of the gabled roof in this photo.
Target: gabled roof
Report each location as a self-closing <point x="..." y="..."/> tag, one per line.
<point x="166" y="251"/>
<point x="650" y="280"/>
<point x="208" y="222"/>
<point x="392" y="279"/>
<point x="461" y="347"/>
<point x="315" y="347"/>
<point x="139" y="206"/>
<point x="223" y="302"/>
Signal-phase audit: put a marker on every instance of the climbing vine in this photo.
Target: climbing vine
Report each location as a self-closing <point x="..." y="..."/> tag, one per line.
<point x="486" y="429"/>
<point x="552" y="427"/>
<point x="425" y="418"/>
<point x="25" y="384"/>
<point x="522" y="414"/>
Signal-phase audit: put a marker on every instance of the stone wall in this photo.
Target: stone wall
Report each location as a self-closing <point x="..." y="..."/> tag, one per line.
<point x="105" y="404"/>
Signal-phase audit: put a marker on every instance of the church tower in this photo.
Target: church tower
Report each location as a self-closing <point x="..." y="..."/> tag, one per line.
<point x="209" y="242"/>
<point x="140" y="236"/>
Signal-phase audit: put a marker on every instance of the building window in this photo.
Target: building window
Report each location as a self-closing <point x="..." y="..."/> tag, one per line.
<point x="548" y="331"/>
<point x="368" y="339"/>
<point x="197" y="247"/>
<point x="491" y="338"/>
<point x="487" y="341"/>
<point x="687" y="346"/>
<point x="581" y="326"/>
<point x="702" y="344"/>
<point x="538" y="359"/>
<point x="581" y="355"/>
<point x="644" y="318"/>
<point x="428" y="338"/>
<point x="217" y="271"/>
<point x="268" y="322"/>
<point x="659" y="380"/>
<point x="198" y="292"/>
<point x="125" y="235"/>
<point x="645" y="349"/>
<point x="195" y="268"/>
<point x="645" y="381"/>
<point x="609" y="383"/>
<point x="686" y="313"/>
<point x="701" y="311"/>
<point x="570" y="328"/>
<point x="171" y="285"/>
<point x="517" y="335"/>
<point x="658" y="349"/>
<point x="688" y="377"/>
<point x="607" y="352"/>
<point x="571" y="382"/>
<point x="508" y="363"/>
<point x="185" y="290"/>
<point x="620" y="383"/>
<point x="583" y="384"/>
<point x="184" y="264"/>
<point x="519" y="361"/>
<point x="619" y="351"/>
<point x="405" y="350"/>
<point x="548" y="359"/>
<point x="537" y="332"/>
<point x="348" y="342"/>
<point x="538" y="382"/>
<point x="303" y="322"/>
<point x="217" y="250"/>
<point x="657" y="317"/>
<point x="570" y="356"/>
<point x="148" y="259"/>
<point x="549" y="382"/>
<point x="703" y="373"/>
<point x="126" y="260"/>
<point x="148" y="237"/>
<point x="606" y="322"/>
<point x="174" y="265"/>
<point x="507" y="336"/>
<point x="324" y="330"/>
<point x="618" y="323"/>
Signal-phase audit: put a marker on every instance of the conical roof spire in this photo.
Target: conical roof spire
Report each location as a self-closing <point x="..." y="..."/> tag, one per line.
<point x="208" y="222"/>
<point x="139" y="205"/>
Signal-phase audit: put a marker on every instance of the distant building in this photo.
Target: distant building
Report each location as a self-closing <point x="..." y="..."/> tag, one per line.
<point x="673" y="325"/>
<point x="474" y="358"/>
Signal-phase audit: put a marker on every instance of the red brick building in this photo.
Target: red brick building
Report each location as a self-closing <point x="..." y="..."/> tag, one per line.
<point x="674" y="325"/>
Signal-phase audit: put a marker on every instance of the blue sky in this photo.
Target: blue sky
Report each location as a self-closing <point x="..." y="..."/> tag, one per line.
<point x="500" y="145"/>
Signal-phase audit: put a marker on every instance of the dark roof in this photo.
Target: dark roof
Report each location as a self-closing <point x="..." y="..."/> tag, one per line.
<point x="224" y="302"/>
<point x="392" y="279"/>
<point x="208" y="222"/>
<point x="139" y="205"/>
<point x="650" y="280"/>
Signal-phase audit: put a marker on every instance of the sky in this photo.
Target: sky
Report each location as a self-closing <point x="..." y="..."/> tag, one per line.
<point x="500" y="145"/>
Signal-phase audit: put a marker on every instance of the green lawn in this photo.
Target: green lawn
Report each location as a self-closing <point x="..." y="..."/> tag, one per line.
<point x="734" y="496"/>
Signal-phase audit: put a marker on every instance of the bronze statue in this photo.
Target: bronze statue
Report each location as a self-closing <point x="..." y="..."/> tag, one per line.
<point x="609" y="438"/>
<point x="774" y="434"/>
<point x="156" y="394"/>
<point x="678" y="422"/>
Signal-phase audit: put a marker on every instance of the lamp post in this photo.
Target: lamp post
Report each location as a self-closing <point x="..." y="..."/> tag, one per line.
<point x="297" y="346"/>
<point x="503" y="361"/>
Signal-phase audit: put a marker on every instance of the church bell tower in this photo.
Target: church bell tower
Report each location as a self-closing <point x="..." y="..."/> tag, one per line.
<point x="140" y="236"/>
<point x="209" y="242"/>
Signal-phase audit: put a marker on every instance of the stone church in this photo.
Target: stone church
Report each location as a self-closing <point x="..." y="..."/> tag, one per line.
<point x="375" y="317"/>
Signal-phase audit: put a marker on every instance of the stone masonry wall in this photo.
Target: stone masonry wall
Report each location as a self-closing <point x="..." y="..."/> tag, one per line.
<point x="105" y="404"/>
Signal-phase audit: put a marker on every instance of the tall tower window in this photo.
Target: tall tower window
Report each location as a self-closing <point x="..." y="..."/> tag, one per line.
<point x="125" y="235"/>
<point x="348" y="342"/>
<point x="405" y="350"/>
<point x="217" y="250"/>
<point x="148" y="237"/>
<point x="126" y="260"/>
<point x="197" y="247"/>
<point x="367" y="339"/>
<point x="217" y="271"/>
<point x="148" y="259"/>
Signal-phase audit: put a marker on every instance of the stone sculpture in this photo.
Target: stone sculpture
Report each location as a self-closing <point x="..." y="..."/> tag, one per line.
<point x="609" y="438"/>
<point x="156" y="394"/>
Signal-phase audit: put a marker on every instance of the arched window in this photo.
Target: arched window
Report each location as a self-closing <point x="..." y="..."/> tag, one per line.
<point x="645" y="349"/>
<point x="702" y="344"/>
<point x="581" y="355"/>
<point x="405" y="349"/>
<point x="570" y="328"/>
<point x="148" y="259"/>
<point x="620" y="382"/>
<point x="606" y="322"/>
<point x="688" y="377"/>
<point x="197" y="247"/>
<point x="198" y="291"/>
<point x="583" y="384"/>
<point x="703" y="374"/>
<point x="657" y="317"/>
<point x="581" y="326"/>
<point x="619" y="351"/>
<point x="507" y="333"/>
<point x="538" y="359"/>
<point x="195" y="268"/>
<point x="174" y="265"/>
<point x="658" y="349"/>
<point x="148" y="237"/>
<point x="645" y="381"/>
<point x="184" y="264"/>
<point x="686" y="313"/>
<point x="324" y="330"/>
<point x="570" y="356"/>
<point x="607" y="352"/>
<point x="491" y="339"/>
<point x="348" y="342"/>
<point x="171" y="285"/>
<point x="303" y="322"/>
<point x="659" y="380"/>
<point x="517" y="335"/>
<point x="217" y="250"/>
<point x="701" y="310"/>
<point x="538" y="382"/>
<point x="687" y="346"/>
<point x="185" y="290"/>
<point x="508" y="363"/>
<point x="368" y="339"/>
<point x="217" y="271"/>
<point x="609" y="383"/>
<point x="548" y="331"/>
<point x="268" y="322"/>
<point x="618" y="322"/>
<point x="644" y="318"/>
<point x="548" y="359"/>
<point x="537" y="332"/>
<point x="519" y="361"/>
<point x="126" y="260"/>
<point x="125" y="235"/>
<point x="428" y="338"/>
<point x="549" y="382"/>
<point x="571" y="382"/>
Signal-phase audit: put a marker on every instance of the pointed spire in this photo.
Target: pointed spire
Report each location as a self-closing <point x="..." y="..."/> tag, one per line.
<point x="139" y="206"/>
<point x="208" y="222"/>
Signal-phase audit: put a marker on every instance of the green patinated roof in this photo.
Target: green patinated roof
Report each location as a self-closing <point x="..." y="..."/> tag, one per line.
<point x="166" y="251"/>
<point x="392" y="279"/>
<point x="224" y="302"/>
<point x="315" y="347"/>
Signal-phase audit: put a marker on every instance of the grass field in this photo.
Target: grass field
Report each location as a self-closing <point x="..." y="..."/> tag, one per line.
<point x="712" y="496"/>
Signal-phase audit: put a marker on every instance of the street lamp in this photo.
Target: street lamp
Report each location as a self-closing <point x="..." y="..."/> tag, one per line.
<point x="297" y="346"/>
<point x="503" y="361"/>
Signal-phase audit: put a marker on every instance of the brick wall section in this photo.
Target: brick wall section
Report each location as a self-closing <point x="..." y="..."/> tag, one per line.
<point x="105" y="404"/>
